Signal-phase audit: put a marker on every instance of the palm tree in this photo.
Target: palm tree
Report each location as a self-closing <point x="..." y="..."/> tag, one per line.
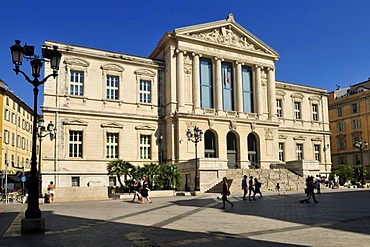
<point x="150" y="171"/>
<point x="119" y="168"/>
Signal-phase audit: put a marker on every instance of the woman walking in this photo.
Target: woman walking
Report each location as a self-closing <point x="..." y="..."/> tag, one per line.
<point x="225" y="193"/>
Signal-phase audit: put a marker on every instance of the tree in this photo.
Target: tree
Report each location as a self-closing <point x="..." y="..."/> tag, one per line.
<point x="119" y="168"/>
<point x="151" y="171"/>
<point x="345" y="173"/>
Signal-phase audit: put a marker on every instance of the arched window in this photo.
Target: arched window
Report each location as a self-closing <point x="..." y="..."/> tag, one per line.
<point x="209" y="144"/>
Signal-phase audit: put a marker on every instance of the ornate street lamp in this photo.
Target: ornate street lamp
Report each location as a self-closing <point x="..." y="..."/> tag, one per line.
<point x="361" y="146"/>
<point x="33" y="221"/>
<point x="42" y="132"/>
<point x="195" y="137"/>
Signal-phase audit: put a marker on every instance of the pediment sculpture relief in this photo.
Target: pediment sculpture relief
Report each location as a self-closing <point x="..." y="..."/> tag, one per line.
<point x="226" y="36"/>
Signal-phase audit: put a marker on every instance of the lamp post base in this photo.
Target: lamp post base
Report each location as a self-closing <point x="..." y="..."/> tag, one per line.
<point x="33" y="226"/>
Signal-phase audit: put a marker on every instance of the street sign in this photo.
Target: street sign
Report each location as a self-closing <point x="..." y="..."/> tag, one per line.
<point x="23" y="178"/>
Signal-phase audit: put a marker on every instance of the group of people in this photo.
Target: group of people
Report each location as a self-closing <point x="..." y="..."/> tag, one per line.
<point x="141" y="191"/>
<point x="249" y="186"/>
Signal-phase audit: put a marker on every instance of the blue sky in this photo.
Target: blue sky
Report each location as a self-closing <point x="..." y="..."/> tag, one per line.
<point x="321" y="42"/>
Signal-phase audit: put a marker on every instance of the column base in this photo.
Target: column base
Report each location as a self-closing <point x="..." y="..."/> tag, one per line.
<point x="197" y="193"/>
<point x="33" y="226"/>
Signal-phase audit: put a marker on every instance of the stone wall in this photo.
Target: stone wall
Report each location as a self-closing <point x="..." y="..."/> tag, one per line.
<point x="73" y="194"/>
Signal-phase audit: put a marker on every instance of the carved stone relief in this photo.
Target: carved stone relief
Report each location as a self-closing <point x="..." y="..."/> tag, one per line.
<point x="226" y="36"/>
<point x="269" y="134"/>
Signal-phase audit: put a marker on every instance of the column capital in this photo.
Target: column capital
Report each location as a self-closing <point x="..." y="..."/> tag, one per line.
<point x="270" y="68"/>
<point x="180" y="51"/>
<point x="196" y="54"/>
<point x="257" y="66"/>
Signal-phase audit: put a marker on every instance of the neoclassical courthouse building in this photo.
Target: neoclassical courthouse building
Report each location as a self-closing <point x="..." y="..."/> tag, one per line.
<point x="216" y="76"/>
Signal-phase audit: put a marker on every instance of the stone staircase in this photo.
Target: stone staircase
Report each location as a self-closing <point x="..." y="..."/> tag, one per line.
<point x="288" y="180"/>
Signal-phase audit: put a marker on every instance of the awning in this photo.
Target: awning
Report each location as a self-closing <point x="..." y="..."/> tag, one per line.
<point x="14" y="179"/>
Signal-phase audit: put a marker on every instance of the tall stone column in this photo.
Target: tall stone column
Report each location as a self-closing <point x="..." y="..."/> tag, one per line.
<point x="239" y="88"/>
<point x="258" y="90"/>
<point x="218" y="87"/>
<point x="180" y="85"/>
<point x="271" y="91"/>
<point x="196" y="82"/>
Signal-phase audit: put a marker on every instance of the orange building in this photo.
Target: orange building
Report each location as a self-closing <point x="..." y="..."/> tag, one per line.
<point x="349" y="115"/>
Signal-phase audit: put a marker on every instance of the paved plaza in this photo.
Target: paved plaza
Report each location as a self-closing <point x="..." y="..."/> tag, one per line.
<point x="341" y="218"/>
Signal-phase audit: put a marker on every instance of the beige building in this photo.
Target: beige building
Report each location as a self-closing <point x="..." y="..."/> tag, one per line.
<point x="16" y="137"/>
<point x="216" y="76"/>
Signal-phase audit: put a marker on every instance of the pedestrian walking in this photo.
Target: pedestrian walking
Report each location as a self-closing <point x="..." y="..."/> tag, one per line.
<point x="51" y="191"/>
<point x="257" y="188"/>
<point x="251" y="188"/>
<point x="244" y="186"/>
<point x="136" y="191"/>
<point x="225" y="193"/>
<point x="278" y="188"/>
<point x="310" y="187"/>
<point x="145" y="191"/>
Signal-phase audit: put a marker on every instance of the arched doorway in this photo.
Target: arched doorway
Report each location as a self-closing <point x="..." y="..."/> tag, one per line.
<point x="210" y="144"/>
<point x="253" y="151"/>
<point x="232" y="150"/>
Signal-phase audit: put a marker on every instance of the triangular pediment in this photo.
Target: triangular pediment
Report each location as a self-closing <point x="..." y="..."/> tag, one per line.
<point x="75" y="122"/>
<point x="145" y="127"/>
<point x="226" y="33"/>
<point x="112" y="125"/>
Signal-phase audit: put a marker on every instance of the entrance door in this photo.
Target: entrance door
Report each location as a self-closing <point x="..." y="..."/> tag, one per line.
<point x="232" y="152"/>
<point x="187" y="182"/>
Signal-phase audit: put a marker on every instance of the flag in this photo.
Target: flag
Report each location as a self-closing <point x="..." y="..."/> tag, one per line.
<point x="228" y="79"/>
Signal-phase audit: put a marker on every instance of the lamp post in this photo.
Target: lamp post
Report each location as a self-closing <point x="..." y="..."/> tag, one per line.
<point x="361" y="146"/>
<point x="195" y="137"/>
<point x="41" y="133"/>
<point x="53" y="56"/>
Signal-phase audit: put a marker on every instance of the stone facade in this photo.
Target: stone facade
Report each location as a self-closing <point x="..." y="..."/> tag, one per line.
<point x="216" y="76"/>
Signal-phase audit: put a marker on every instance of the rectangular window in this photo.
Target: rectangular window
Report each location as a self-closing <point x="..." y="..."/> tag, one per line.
<point x="6" y="115"/>
<point x="227" y="86"/>
<point x="247" y="89"/>
<point x="6" y="136"/>
<point x="14" y="118"/>
<point x="299" y="151"/>
<point x="75" y="181"/>
<point x="13" y="139"/>
<point x="145" y="92"/>
<point x="112" y="181"/>
<point x="315" y="115"/>
<point x="76" y="86"/>
<point x="297" y="110"/>
<point x="341" y="127"/>
<point x="281" y="151"/>
<point x="341" y="144"/>
<point x="75" y="144"/>
<point x="342" y="160"/>
<point x="317" y="152"/>
<point x="206" y="90"/>
<point x="279" y="112"/>
<point x="356" y="124"/>
<point x="355" y="108"/>
<point x="112" y="145"/>
<point x="112" y="87"/>
<point x="340" y="111"/>
<point x="145" y="148"/>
